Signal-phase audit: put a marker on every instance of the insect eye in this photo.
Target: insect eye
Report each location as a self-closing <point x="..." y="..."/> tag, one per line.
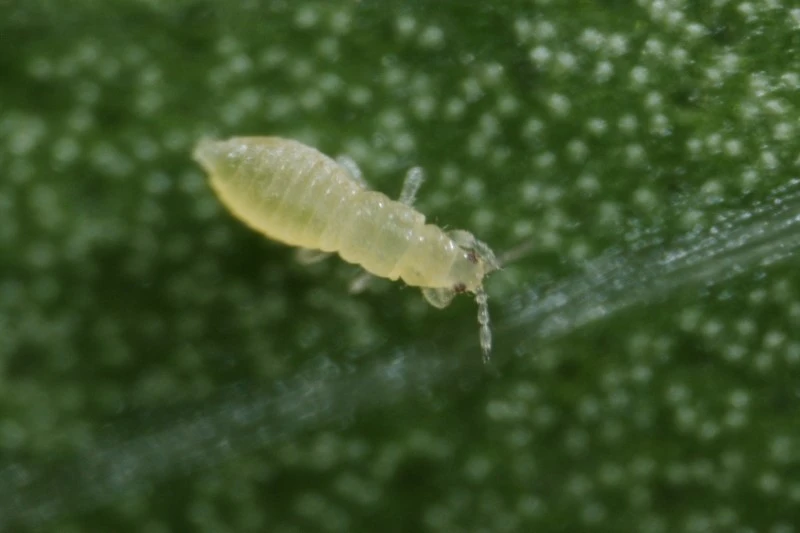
<point x="472" y="256"/>
<point x="459" y="288"/>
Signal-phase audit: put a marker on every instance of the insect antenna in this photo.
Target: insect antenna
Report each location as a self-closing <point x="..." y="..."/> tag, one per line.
<point x="482" y="299"/>
<point x="516" y="253"/>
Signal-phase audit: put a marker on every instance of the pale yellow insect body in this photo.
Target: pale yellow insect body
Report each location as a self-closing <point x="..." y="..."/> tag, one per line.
<point x="294" y="194"/>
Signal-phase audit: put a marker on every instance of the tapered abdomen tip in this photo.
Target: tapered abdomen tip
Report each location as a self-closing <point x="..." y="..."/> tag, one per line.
<point x="207" y="152"/>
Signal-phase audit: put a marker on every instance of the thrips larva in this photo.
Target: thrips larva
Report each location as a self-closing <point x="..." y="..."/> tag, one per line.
<point x="294" y="194"/>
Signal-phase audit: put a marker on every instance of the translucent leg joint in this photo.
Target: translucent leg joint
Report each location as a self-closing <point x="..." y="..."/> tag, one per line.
<point x="414" y="178"/>
<point x="350" y="165"/>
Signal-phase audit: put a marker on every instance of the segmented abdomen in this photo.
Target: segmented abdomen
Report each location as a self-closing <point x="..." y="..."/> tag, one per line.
<point x="295" y="194"/>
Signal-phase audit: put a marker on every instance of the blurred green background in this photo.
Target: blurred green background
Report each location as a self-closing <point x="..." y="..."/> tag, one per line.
<point x="574" y="126"/>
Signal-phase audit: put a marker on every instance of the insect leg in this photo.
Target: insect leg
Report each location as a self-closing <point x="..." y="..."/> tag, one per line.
<point x="350" y="165"/>
<point x="414" y="178"/>
<point x="360" y="282"/>
<point x="438" y="298"/>
<point x="305" y="256"/>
